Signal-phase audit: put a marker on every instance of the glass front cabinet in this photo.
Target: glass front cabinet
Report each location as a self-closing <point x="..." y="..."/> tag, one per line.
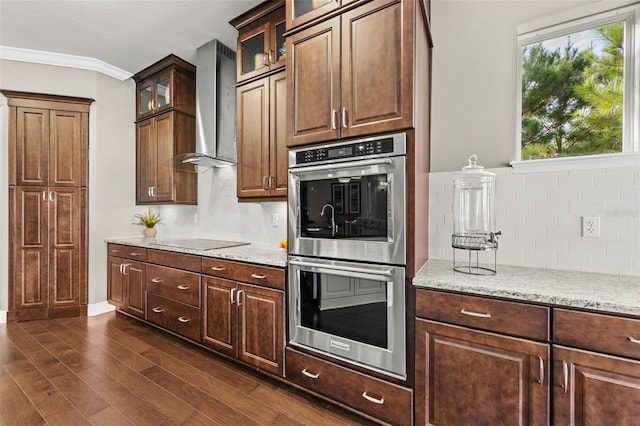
<point x="155" y="94"/>
<point x="261" y="46"/>
<point x="303" y="11"/>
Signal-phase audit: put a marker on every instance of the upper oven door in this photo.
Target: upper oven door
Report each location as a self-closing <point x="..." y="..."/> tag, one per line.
<point x="349" y="210"/>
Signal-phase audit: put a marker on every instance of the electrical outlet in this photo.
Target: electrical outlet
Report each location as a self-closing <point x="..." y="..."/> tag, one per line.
<point x="590" y="227"/>
<point x="274" y="219"/>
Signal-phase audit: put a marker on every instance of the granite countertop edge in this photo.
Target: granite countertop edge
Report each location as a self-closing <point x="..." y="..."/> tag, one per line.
<point x="616" y="294"/>
<point x="251" y="253"/>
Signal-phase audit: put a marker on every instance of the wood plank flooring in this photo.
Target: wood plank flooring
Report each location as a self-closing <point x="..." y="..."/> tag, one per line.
<point x="113" y="370"/>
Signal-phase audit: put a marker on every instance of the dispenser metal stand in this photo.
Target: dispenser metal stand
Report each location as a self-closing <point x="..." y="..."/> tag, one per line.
<point x="475" y="243"/>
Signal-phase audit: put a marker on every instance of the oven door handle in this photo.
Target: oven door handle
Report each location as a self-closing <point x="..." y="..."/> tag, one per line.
<point x="348" y="269"/>
<point x="338" y="166"/>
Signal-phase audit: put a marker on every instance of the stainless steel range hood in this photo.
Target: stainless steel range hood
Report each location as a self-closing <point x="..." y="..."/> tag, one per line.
<point x="215" y="107"/>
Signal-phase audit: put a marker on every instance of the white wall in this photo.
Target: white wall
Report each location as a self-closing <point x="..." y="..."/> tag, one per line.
<point x="112" y="175"/>
<point x="474" y="112"/>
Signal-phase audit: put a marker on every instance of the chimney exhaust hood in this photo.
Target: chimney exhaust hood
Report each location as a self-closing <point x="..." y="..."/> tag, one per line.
<point x="215" y="108"/>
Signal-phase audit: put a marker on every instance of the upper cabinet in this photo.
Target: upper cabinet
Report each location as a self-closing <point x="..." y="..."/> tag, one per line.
<point x="169" y="83"/>
<point x="165" y="129"/>
<point x="353" y="74"/>
<point x="302" y="11"/>
<point x="261" y="42"/>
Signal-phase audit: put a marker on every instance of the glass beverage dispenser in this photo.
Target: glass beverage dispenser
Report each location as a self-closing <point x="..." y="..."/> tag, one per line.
<point x="474" y="218"/>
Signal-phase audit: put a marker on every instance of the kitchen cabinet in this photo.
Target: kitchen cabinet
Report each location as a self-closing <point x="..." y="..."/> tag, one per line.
<point x="165" y="129"/>
<point x="48" y="174"/>
<point x="244" y="320"/>
<point x="596" y="369"/>
<point x="261" y="42"/>
<point x="464" y="375"/>
<point x="159" y="139"/>
<point x="352" y="75"/>
<point x="303" y="11"/>
<point x="261" y="142"/>
<point x="126" y="279"/>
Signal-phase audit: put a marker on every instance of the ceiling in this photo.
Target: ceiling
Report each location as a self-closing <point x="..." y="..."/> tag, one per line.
<point x="127" y="34"/>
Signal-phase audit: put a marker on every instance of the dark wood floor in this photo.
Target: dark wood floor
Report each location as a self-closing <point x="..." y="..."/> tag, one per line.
<point x="113" y="370"/>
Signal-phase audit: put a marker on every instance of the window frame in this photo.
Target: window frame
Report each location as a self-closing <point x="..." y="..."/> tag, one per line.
<point x="569" y="23"/>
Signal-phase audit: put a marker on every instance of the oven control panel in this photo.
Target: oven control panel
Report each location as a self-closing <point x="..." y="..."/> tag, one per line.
<point x="349" y="150"/>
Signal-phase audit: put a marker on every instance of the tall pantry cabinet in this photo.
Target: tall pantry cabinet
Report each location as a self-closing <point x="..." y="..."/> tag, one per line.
<point x="48" y="175"/>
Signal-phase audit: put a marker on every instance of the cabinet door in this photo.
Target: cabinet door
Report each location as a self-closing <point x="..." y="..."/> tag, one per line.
<point x="261" y="327"/>
<point x="135" y="288"/>
<point x="220" y="315"/>
<point x="254" y="43"/>
<point x="313" y="67"/>
<point x="471" y="377"/>
<point x="65" y="149"/>
<point x="116" y="285"/>
<point x="32" y="146"/>
<point x="302" y="11"/>
<point x="163" y="188"/>
<point x="65" y="247"/>
<point x="146" y="166"/>
<point x="253" y="139"/>
<point x="278" y="158"/>
<point x="377" y="68"/>
<point x="594" y="389"/>
<point x="30" y="252"/>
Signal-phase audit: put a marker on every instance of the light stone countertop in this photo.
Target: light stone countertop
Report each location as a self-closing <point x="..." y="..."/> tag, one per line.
<point x="594" y="291"/>
<point x="252" y="253"/>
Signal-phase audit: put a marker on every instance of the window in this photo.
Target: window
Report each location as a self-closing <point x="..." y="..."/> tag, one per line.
<point x="578" y="95"/>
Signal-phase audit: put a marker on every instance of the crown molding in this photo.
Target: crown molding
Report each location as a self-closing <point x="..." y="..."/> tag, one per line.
<point x="63" y="60"/>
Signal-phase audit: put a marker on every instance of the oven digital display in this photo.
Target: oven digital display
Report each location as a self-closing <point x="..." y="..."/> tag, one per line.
<point x="343" y="151"/>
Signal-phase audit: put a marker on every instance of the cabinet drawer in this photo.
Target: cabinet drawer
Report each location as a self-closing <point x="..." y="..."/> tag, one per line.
<point x="127" y="252"/>
<point x="603" y="333"/>
<point x="385" y="401"/>
<point x="174" y="316"/>
<point x="514" y="318"/>
<point x="244" y="272"/>
<point x="174" y="284"/>
<point x="175" y="260"/>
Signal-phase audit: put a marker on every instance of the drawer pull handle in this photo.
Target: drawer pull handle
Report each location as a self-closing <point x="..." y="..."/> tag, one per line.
<point x="156" y="280"/>
<point x="157" y="310"/>
<point x="217" y="268"/>
<point x="311" y="375"/>
<point x="565" y="376"/>
<point x="541" y="379"/>
<point x="183" y="319"/>
<point x="183" y="287"/>
<point x="636" y="341"/>
<point x="115" y="251"/>
<point x="133" y="253"/>
<point x="258" y="277"/>
<point x="372" y="399"/>
<point x="475" y="314"/>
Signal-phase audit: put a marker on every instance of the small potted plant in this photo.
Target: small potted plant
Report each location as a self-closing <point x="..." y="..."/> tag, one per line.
<point x="149" y="219"/>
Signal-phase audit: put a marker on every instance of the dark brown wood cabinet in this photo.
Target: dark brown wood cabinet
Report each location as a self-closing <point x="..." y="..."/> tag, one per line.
<point x="594" y="389"/>
<point x="261" y="103"/>
<point x="465" y="376"/>
<point x="353" y="74"/>
<point x="261" y="142"/>
<point x="242" y="320"/>
<point x="300" y="12"/>
<point x="48" y="175"/>
<point x="125" y="288"/>
<point x="165" y="129"/>
<point x="261" y="43"/>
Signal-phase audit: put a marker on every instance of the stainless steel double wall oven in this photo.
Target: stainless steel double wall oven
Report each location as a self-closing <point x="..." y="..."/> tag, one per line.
<point x="347" y="251"/>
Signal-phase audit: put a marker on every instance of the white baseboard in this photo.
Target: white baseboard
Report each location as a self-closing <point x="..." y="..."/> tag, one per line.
<point x="99" y="308"/>
<point x="92" y="310"/>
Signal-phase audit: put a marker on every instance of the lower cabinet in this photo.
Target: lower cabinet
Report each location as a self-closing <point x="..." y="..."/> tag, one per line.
<point x="242" y="320"/>
<point x="382" y="400"/>
<point x="465" y="376"/>
<point x="126" y="286"/>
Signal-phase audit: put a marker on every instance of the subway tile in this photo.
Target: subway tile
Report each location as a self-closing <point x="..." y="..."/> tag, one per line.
<point x="612" y="180"/>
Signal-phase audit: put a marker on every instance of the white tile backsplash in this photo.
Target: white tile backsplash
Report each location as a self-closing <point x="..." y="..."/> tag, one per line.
<point x="540" y="216"/>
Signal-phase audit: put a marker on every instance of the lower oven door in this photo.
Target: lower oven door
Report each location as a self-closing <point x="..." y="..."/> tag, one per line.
<point x="351" y="311"/>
